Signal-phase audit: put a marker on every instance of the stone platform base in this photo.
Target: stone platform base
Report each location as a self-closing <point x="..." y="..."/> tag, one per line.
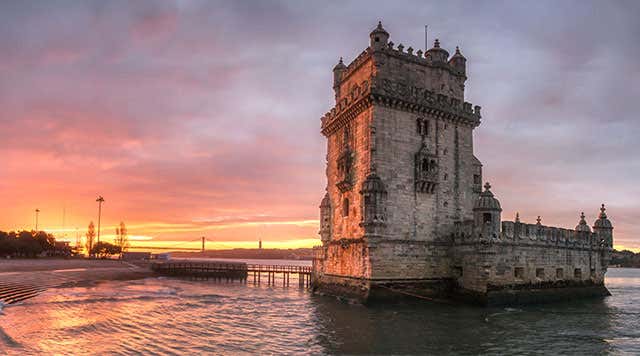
<point x="444" y="290"/>
<point x="532" y="295"/>
<point x="368" y="291"/>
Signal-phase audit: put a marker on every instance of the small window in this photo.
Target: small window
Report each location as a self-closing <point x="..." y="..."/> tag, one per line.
<point x="445" y="176"/>
<point x="425" y="165"/>
<point x="593" y="272"/>
<point x="539" y="272"/>
<point x="432" y="165"/>
<point x="419" y="126"/>
<point x="345" y="207"/>
<point x="519" y="272"/>
<point x="577" y="273"/>
<point x="559" y="273"/>
<point x="486" y="218"/>
<point x="457" y="271"/>
<point x="425" y="130"/>
<point x="446" y="204"/>
<point x="377" y="39"/>
<point x="476" y="179"/>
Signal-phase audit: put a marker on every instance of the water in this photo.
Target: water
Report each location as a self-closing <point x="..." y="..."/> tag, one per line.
<point x="169" y="316"/>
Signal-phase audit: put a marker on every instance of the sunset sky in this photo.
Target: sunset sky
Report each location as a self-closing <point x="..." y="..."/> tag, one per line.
<point x="202" y="118"/>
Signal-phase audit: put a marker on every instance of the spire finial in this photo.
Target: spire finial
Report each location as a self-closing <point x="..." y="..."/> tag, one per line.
<point x="539" y="220"/>
<point x="436" y="44"/>
<point x="603" y="215"/>
<point x="517" y="217"/>
<point x="487" y="186"/>
<point x="582" y="220"/>
<point x="340" y="61"/>
<point x="457" y="50"/>
<point x="380" y="24"/>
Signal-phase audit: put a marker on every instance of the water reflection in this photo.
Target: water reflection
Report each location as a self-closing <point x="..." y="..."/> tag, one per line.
<point x="165" y="316"/>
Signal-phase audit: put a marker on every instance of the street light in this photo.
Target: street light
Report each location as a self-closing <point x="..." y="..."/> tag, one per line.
<point x="100" y="200"/>
<point x="37" y="211"/>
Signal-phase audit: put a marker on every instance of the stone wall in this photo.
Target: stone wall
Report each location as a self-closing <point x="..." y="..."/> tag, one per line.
<point x="527" y="254"/>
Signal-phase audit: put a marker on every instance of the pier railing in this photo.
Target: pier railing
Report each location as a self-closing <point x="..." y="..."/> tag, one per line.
<point x="236" y="271"/>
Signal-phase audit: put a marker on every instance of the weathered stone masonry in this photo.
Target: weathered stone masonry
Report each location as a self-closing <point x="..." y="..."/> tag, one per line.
<point x="404" y="206"/>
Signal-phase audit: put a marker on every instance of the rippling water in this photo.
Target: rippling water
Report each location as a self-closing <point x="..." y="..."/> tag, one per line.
<point x="170" y="316"/>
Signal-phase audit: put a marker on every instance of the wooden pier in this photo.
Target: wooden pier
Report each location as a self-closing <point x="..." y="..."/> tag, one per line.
<point x="222" y="270"/>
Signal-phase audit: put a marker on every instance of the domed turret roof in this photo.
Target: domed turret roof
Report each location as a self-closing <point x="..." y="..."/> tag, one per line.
<point x="458" y="54"/>
<point x="602" y="222"/>
<point x="372" y="184"/>
<point x="437" y="53"/>
<point x="326" y="202"/>
<point x="582" y="225"/>
<point x="379" y="30"/>
<point x="486" y="200"/>
<point x="340" y="65"/>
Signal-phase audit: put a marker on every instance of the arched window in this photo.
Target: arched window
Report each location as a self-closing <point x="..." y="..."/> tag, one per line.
<point x="425" y="130"/>
<point x="419" y="126"/>
<point x="345" y="207"/>
<point x="432" y="165"/>
<point x="486" y="218"/>
<point x="425" y="165"/>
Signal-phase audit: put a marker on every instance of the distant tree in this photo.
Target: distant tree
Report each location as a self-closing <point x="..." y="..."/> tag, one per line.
<point x="46" y="241"/>
<point x="27" y="245"/>
<point x="91" y="235"/>
<point x="104" y="249"/>
<point x="122" y="240"/>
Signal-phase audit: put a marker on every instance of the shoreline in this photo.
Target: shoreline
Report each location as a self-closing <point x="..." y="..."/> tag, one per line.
<point x="42" y="274"/>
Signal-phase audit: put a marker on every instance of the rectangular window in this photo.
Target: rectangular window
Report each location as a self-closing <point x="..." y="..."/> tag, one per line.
<point x="519" y="272"/>
<point x="477" y="179"/>
<point x="539" y="272"/>
<point x="559" y="273"/>
<point x="577" y="273"/>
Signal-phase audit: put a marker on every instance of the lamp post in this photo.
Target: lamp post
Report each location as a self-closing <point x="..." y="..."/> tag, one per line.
<point x="100" y="200"/>
<point x="37" y="212"/>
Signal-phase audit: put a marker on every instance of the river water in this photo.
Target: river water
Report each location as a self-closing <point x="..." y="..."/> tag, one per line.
<point x="170" y="316"/>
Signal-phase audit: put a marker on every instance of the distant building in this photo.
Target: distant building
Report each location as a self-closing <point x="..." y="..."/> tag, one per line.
<point x="405" y="208"/>
<point x="260" y="244"/>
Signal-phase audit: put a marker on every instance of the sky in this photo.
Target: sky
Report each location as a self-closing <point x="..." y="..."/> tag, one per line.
<point x="202" y="118"/>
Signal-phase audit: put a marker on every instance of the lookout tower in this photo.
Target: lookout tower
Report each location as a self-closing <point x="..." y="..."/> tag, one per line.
<point x="400" y="167"/>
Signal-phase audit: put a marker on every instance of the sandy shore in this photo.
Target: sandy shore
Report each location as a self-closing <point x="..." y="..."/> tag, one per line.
<point x="51" y="273"/>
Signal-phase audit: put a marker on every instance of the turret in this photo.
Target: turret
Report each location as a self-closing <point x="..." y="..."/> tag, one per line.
<point x="325" y="219"/>
<point x="338" y="70"/>
<point x="603" y="228"/>
<point x="582" y="229"/>
<point x="374" y="195"/>
<point x="458" y="62"/>
<point x="379" y="38"/>
<point x="486" y="213"/>
<point x="437" y="54"/>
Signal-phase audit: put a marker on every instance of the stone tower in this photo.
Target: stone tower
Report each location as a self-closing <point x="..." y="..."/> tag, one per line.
<point x="400" y="168"/>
